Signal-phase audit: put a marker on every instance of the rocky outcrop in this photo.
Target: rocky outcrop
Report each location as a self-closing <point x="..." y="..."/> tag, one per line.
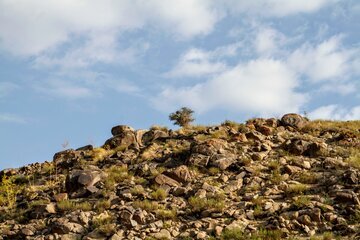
<point x="265" y="179"/>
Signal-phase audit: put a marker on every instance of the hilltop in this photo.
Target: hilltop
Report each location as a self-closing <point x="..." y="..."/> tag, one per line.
<point x="264" y="179"/>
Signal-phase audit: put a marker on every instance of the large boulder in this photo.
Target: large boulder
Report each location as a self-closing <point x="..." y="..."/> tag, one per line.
<point x="293" y="120"/>
<point x="124" y="136"/>
<point x="80" y="183"/>
<point x="154" y="134"/>
<point x="180" y="174"/>
<point x="120" y="129"/>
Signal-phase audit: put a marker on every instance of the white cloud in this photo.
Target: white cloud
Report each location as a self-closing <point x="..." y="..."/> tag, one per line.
<point x="52" y="23"/>
<point x="197" y="62"/>
<point x="268" y="41"/>
<point x="64" y="89"/>
<point x="336" y="112"/>
<point x="326" y="61"/>
<point x="276" y="8"/>
<point x="264" y="86"/>
<point x="6" y="88"/>
<point x="11" y="118"/>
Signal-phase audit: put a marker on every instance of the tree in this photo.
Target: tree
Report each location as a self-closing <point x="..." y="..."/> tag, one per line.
<point x="182" y="117"/>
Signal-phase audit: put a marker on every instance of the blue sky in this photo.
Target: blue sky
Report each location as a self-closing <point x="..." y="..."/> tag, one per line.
<point x="70" y="70"/>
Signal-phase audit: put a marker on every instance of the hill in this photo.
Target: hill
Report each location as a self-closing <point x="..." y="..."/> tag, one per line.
<point x="265" y="179"/>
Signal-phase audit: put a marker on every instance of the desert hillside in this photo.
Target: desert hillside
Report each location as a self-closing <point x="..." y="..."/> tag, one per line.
<point x="287" y="178"/>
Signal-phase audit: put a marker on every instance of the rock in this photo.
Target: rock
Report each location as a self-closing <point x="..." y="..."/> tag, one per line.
<point x="85" y="148"/>
<point x="162" y="179"/>
<point x="61" y="197"/>
<point x="233" y="185"/>
<point x="121" y="129"/>
<point x="292" y="169"/>
<point x="316" y="149"/>
<point x="265" y="130"/>
<point x="180" y="174"/>
<point x="163" y="234"/>
<point x="126" y="139"/>
<point x="139" y="216"/>
<point x="347" y="197"/>
<point x="27" y="232"/>
<point x="296" y="146"/>
<point x="139" y="135"/>
<point x="293" y="120"/>
<point x="152" y="135"/>
<point x="222" y="161"/>
<point x="218" y="230"/>
<point x="197" y="159"/>
<point x="255" y="136"/>
<point x="81" y="182"/>
<point x="201" y="235"/>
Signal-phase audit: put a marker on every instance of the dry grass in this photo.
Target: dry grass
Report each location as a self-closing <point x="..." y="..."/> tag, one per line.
<point x="354" y="158"/>
<point x="69" y="205"/>
<point x="116" y="174"/>
<point x="317" y="126"/>
<point x="159" y="194"/>
<point x="199" y="204"/>
<point x="294" y="189"/>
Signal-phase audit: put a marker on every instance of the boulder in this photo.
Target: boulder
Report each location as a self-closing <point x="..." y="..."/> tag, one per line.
<point x="222" y="161"/>
<point x="293" y="120"/>
<point x="81" y="182"/>
<point x="162" y="179"/>
<point x="180" y="174"/>
<point x="121" y="129"/>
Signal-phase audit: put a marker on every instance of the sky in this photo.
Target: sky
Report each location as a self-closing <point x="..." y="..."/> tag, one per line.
<point x="71" y="70"/>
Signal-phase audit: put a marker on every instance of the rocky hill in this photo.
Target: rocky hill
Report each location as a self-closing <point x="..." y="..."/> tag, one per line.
<point x="265" y="179"/>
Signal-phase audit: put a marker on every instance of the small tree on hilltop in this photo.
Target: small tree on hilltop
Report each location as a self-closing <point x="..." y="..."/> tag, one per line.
<point x="182" y="117"/>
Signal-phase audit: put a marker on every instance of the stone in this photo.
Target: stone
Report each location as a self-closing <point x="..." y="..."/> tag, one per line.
<point x="88" y="147"/>
<point x="293" y="120"/>
<point x="201" y="235"/>
<point x="255" y="135"/>
<point x="27" y="232"/>
<point x="79" y="183"/>
<point x="162" y="179"/>
<point x="197" y="159"/>
<point x="305" y="219"/>
<point x="316" y="149"/>
<point x="125" y="139"/>
<point x="120" y="129"/>
<point x="180" y="174"/>
<point x="291" y="169"/>
<point x="61" y="197"/>
<point x="163" y="234"/>
<point x="233" y="185"/>
<point x="222" y="161"/>
<point x="152" y="135"/>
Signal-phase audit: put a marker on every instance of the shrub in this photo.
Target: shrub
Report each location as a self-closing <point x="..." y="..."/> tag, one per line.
<point x="116" y="174"/>
<point x="296" y="189"/>
<point x="199" y="204"/>
<point x="8" y="192"/>
<point x="146" y="205"/>
<point x="182" y="117"/>
<point x="354" y="158"/>
<point x="159" y="194"/>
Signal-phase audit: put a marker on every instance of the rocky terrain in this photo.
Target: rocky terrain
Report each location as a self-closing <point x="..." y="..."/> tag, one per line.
<point x="286" y="178"/>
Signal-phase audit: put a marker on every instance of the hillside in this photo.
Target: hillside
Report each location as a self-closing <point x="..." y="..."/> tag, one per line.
<point x="265" y="179"/>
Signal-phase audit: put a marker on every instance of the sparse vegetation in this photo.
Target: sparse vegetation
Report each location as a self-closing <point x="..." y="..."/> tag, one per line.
<point x="70" y="205"/>
<point x="8" y="192"/>
<point x="199" y="204"/>
<point x="159" y="194"/>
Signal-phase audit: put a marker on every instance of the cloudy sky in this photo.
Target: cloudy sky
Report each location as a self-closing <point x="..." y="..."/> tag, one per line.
<point x="70" y="70"/>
